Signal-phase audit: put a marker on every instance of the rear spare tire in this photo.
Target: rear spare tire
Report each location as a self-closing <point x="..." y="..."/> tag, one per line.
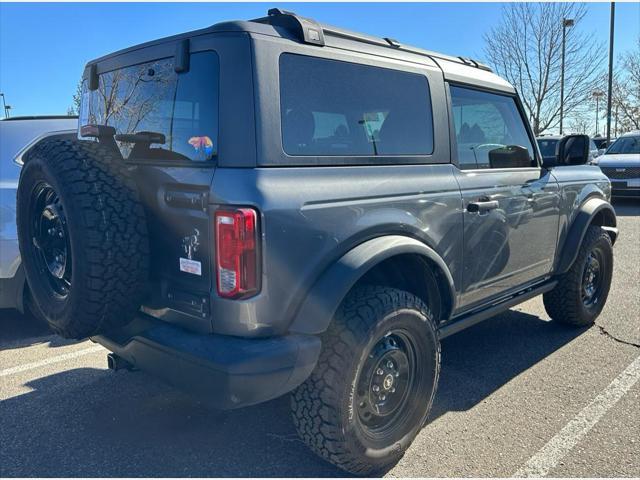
<point x="83" y="237"/>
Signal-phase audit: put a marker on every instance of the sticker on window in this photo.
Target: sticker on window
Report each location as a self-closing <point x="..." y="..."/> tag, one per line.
<point x="203" y="147"/>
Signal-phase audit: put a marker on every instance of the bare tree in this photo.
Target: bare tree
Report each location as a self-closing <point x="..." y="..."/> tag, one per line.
<point x="74" y="109"/>
<point x="526" y="49"/>
<point x="580" y="122"/>
<point x="626" y="91"/>
<point x="625" y="100"/>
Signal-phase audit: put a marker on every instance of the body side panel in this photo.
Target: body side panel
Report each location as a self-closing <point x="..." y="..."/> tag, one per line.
<point x="311" y="217"/>
<point x="513" y="244"/>
<point x="577" y="185"/>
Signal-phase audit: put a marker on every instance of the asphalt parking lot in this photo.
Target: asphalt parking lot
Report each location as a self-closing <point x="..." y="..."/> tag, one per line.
<point x="518" y="395"/>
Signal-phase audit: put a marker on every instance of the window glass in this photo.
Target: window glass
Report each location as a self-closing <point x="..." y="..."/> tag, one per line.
<point x="490" y="132"/>
<point x="333" y="108"/>
<point x="152" y="97"/>
<point x="624" y="145"/>
<point x="547" y="146"/>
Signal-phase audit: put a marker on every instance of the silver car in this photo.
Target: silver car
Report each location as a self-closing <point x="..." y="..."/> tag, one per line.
<point x="15" y="134"/>
<point x="621" y="163"/>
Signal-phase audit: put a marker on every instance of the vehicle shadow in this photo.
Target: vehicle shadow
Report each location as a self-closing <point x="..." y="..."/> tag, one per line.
<point x="19" y="331"/>
<point x="478" y="361"/>
<point x="626" y="207"/>
<point x="91" y="422"/>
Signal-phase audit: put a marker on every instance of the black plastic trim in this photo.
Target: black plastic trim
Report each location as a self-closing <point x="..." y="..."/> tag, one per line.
<point x="229" y="372"/>
<point x="578" y="230"/>
<point x="465" y="321"/>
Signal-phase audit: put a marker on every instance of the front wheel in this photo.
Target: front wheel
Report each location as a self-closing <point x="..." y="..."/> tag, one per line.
<point x="582" y="292"/>
<point x="374" y="383"/>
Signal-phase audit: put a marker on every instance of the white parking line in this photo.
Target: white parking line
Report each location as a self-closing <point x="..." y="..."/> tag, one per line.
<point x="548" y="456"/>
<point x="47" y="361"/>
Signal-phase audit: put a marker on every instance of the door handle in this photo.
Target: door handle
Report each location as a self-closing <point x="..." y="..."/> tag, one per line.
<point x="482" y="206"/>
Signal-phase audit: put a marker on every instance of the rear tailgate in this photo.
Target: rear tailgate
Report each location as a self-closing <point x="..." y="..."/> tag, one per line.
<point x="176" y="202"/>
<point x="166" y="127"/>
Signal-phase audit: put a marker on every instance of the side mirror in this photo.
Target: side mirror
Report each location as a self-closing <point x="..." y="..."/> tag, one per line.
<point x="573" y="150"/>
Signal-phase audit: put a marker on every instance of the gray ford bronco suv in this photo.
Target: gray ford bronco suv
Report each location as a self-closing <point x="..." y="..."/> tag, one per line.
<point x="273" y="206"/>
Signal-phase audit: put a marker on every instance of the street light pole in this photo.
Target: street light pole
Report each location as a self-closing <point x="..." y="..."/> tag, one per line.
<point x="597" y="94"/>
<point x="613" y="15"/>
<point x="566" y="22"/>
<point x="597" y="113"/>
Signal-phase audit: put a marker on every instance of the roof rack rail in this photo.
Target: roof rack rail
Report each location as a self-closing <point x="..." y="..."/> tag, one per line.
<point x="307" y="30"/>
<point x="474" y="63"/>
<point x="393" y="42"/>
<point x="310" y="31"/>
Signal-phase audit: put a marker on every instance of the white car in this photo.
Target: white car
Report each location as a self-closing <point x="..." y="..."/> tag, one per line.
<point x="621" y="163"/>
<point x="15" y="134"/>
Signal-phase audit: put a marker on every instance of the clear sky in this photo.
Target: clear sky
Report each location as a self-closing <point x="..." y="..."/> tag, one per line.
<point x="43" y="47"/>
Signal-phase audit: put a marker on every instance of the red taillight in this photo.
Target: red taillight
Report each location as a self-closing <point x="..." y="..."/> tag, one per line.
<point x="236" y="252"/>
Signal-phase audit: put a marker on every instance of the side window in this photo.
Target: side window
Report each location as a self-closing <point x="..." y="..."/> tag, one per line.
<point x="490" y="132"/>
<point x="334" y="108"/>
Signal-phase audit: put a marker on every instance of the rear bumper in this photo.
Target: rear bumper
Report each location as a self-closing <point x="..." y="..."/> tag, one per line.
<point x="229" y="372"/>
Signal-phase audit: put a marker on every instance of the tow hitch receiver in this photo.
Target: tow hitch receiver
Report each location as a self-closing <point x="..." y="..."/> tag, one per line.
<point x="115" y="363"/>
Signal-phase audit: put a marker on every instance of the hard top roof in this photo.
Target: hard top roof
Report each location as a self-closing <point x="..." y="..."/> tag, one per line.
<point x="283" y="24"/>
<point x="633" y="133"/>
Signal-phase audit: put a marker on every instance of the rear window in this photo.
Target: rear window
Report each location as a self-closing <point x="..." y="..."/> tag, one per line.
<point x="152" y="97"/>
<point x="334" y="108"/>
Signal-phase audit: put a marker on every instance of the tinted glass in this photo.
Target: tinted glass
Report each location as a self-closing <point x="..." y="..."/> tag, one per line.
<point x="624" y="145"/>
<point x="152" y="97"/>
<point x="332" y="108"/>
<point x="490" y="132"/>
<point x="547" y="147"/>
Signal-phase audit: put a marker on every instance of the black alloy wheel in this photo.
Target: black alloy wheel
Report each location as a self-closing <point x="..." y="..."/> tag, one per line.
<point x="50" y="239"/>
<point x="592" y="279"/>
<point x="387" y="378"/>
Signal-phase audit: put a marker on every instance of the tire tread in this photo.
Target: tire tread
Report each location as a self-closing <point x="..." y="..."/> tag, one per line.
<point x="316" y="403"/>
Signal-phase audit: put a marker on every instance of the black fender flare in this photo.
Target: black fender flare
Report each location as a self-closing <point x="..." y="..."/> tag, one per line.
<point x="593" y="210"/>
<point x="318" y="308"/>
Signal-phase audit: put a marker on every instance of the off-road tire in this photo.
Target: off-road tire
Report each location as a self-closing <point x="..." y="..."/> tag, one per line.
<point x="564" y="304"/>
<point x="106" y="231"/>
<point x="324" y="412"/>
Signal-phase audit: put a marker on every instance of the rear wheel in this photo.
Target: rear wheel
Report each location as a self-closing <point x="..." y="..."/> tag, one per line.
<point x="82" y="236"/>
<point x="374" y="383"/>
<point x="582" y="292"/>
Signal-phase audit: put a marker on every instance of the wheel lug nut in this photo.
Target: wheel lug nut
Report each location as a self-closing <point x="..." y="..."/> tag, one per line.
<point x="397" y="374"/>
<point x="51" y="231"/>
<point x="383" y="397"/>
<point x="393" y="389"/>
<point x="376" y="388"/>
<point x="379" y="371"/>
<point x="389" y="364"/>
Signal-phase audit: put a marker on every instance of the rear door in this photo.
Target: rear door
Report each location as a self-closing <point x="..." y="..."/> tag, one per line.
<point x="510" y="203"/>
<point x="166" y="126"/>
